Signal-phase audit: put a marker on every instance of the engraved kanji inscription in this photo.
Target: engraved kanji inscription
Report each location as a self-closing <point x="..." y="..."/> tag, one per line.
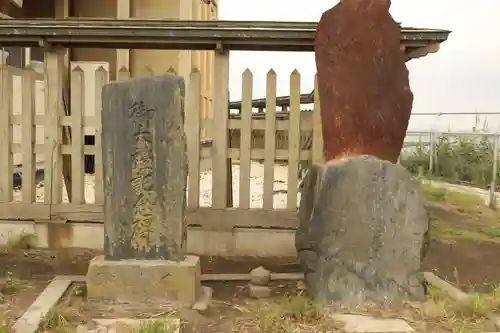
<point x="142" y="181"/>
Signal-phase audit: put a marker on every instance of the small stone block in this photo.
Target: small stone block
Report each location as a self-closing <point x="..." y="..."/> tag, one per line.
<point x="260" y="276"/>
<point x="257" y="291"/>
<point x="144" y="281"/>
<point x="367" y="324"/>
<point x="203" y="302"/>
<point x="301" y="285"/>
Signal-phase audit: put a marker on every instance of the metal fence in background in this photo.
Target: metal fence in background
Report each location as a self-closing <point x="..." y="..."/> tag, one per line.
<point x="453" y="153"/>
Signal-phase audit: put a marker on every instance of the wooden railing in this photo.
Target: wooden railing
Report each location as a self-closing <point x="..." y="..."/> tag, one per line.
<point x="44" y="133"/>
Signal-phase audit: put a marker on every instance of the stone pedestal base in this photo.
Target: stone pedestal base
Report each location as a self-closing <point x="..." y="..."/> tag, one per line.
<point x="144" y="281"/>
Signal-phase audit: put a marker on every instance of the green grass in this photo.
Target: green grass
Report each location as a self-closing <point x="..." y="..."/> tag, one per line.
<point x="24" y="241"/>
<point x="461" y="200"/>
<point x="474" y="306"/>
<point x="457" y="215"/>
<point x="467" y="160"/>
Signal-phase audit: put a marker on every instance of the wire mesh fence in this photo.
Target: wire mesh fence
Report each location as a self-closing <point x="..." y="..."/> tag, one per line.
<point x="466" y="157"/>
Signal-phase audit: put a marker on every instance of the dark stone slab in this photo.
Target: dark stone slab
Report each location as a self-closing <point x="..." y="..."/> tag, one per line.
<point x="363" y="232"/>
<point x="363" y="82"/>
<point x="145" y="168"/>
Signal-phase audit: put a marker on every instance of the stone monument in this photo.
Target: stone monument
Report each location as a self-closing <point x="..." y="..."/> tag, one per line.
<point x="363" y="232"/>
<point x="363" y="82"/>
<point x="145" y="171"/>
<point x="363" y="225"/>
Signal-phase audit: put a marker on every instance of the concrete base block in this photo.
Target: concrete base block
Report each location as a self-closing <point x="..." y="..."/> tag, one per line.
<point x="144" y="281"/>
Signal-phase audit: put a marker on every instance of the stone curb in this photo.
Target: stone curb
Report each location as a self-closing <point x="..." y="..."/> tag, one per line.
<point x="47" y="300"/>
<point x="44" y="303"/>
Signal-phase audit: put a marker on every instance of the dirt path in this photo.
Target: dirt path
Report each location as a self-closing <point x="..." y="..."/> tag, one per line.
<point x="470" y="264"/>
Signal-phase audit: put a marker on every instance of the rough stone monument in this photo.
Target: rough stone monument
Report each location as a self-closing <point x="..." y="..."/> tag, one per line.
<point x="363" y="232"/>
<point x="363" y="82"/>
<point x="363" y="224"/>
<point x="145" y="170"/>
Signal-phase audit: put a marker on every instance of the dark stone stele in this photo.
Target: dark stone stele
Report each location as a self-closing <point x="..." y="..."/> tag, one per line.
<point x="145" y="168"/>
<point x="363" y="232"/>
<point x="363" y="81"/>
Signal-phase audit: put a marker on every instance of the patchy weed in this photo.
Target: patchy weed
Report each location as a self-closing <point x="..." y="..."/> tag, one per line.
<point x="77" y="290"/>
<point x="157" y="326"/>
<point x="12" y="284"/>
<point x="4" y="328"/>
<point x="24" y="241"/>
<point x="54" y="321"/>
<point x="286" y="314"/>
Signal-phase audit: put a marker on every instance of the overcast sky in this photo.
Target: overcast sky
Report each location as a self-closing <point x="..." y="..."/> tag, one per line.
<point x="464" y="76"/>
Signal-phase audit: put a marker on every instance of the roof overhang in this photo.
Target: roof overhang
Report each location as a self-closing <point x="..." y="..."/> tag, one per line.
<point x="283" y="101"/>
<point x="188" y="35"/>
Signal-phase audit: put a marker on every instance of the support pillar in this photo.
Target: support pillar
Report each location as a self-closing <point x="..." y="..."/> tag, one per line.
<point x="184" y="62"/>
<point x="122" y="55"/>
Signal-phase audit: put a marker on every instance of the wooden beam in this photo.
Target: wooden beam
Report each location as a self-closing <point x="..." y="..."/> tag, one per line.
<point x="205" y="217"/>
<point x="182" y="35"/>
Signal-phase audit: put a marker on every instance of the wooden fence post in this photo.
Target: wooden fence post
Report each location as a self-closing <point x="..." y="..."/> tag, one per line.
<point x="246" y="139"/>
<point x="293" y="141"/>
<point x="54" y="109"/>
<point x="318" y="155"/>
<point x="6" y="157"/>
<point x="192" y="129"/>
<point x="28" y="134"/>
<point x="77" y="156"/>
<point x="270" y="141"/>
<point x="123" y="74"/>
<point x="101" y="78"/>
<point x="220" y="135"/>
